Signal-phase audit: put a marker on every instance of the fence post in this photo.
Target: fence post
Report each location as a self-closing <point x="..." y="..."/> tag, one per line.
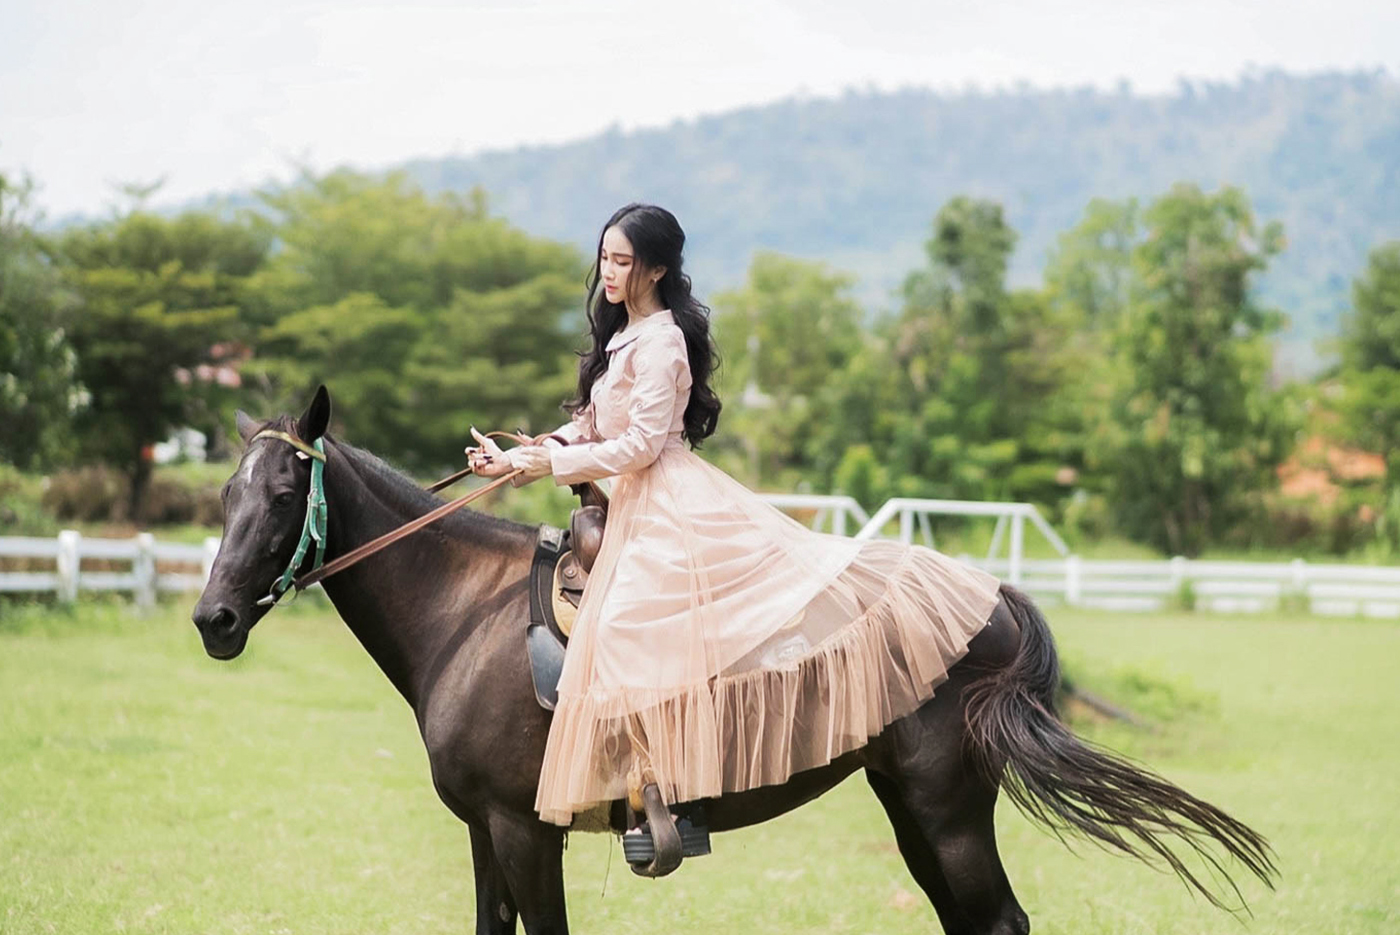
<point x="1018" y="532"/>
<point x="144" y="569"/>
<point x="1178" y="570"/>
<point x="211" y="551"/>
<point x="68" y="565"/>
<point x="1300" y="582"/>
<point x="1073" y="580"/>
<point x="906" y="526"/>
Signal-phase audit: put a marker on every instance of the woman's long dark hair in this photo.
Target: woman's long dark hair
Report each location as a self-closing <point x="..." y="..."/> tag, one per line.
<point x="657" y="241"/>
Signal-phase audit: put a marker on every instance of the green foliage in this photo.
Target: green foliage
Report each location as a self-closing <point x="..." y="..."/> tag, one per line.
<point x="37" y="393"/>
<point x="1370" y="379"/>
<point x="1193" y="428"/>
<point x="861" y="475"/>
<point x="21" y="508"/>
<point x="151" y="300"/>
<point x="955" y="393"/>
<point x="1371" y="358"/>
<point x="1090" y="269"/>
<point x="1129" y="394"/>
<point x="423" y="316"/>
<point x="98" y="495"/>
<point x="784" y="338"/>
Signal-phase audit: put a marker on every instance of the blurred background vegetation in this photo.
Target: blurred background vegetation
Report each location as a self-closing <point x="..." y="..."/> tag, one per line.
<point x="1104" y="318"/>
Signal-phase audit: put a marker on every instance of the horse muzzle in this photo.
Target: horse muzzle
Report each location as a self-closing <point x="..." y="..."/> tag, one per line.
<point x="224" y="634"/>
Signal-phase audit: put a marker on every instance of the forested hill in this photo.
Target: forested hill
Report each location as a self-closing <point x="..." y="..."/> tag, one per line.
<point x="856" y="180"/>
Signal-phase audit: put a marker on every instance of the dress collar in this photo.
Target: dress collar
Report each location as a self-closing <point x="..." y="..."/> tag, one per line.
<point x="628" y="334"/>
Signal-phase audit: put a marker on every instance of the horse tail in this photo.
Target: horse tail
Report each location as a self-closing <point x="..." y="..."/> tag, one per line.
<point x="1068" y="784"/>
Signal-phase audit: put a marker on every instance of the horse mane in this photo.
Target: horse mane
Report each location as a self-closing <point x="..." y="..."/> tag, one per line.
<point x="402" y="493"/>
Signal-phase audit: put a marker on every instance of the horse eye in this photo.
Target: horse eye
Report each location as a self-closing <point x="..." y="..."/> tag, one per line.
<point x="283" y="499"/>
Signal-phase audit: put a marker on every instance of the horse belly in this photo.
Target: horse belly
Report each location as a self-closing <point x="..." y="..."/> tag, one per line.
<point x="741" y="809"/>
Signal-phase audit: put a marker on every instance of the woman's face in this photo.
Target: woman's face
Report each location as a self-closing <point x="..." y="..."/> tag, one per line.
<point x="616" y="267"/>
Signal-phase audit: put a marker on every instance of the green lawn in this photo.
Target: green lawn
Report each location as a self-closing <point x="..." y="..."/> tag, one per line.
<point x="147" y="788"/>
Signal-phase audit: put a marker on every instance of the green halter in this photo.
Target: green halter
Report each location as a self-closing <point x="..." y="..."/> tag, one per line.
<point x="314" y="526"/>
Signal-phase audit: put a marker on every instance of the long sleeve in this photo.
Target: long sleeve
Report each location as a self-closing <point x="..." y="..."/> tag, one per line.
<point x="659" y="365"/>
<point x="577" y="429"/>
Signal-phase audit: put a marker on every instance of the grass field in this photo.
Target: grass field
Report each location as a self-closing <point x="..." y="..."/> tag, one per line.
<point x="146" y="788"/>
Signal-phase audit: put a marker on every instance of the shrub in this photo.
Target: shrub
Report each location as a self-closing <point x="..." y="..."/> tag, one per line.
<point x="98" y="494"/>
<point x="92" y="494"/>
<point x="169" y="502"/>
<point x="21" y="510"/>
<point x="1310" y="525"/>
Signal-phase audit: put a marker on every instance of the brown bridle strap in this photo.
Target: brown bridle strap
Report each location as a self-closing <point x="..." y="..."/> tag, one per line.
<point x="292" y="440"/>
<point x="389" y="538"/>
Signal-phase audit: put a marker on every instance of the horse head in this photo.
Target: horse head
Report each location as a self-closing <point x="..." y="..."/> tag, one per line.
<point x="265" y="504"/>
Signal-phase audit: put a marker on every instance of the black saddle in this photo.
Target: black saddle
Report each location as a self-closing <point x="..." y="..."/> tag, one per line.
<point x="558" y="574"/>
<point x="556" y="585"/>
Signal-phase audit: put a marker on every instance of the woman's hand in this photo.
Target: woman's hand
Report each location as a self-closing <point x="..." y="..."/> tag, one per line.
<point x="487" y="460"/>
<point x="533" y="461"/>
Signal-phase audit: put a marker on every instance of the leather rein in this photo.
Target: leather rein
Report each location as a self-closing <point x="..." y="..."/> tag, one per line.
<point x="314" y="526"/>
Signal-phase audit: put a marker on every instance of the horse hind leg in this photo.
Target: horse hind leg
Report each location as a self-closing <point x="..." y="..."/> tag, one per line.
<point x="946" y="834"/>
<point x="942" y="806"/>
<point x="918" y="855"/>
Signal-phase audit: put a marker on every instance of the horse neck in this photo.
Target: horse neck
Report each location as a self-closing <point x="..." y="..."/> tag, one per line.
<point x="412" y="601"/>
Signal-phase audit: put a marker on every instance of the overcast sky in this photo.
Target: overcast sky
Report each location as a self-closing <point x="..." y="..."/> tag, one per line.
<point x="222" y="95"/>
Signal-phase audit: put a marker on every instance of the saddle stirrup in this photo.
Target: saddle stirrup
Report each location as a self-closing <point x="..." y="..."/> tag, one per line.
<point x="653" y="849"/>
<point x="656" y="846"/>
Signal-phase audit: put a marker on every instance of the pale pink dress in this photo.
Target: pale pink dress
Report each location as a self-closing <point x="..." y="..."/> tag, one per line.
<point x="721" y="645"/>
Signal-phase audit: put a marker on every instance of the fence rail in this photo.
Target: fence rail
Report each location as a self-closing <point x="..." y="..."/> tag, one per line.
<point x="151" y="567"/>
<point x="1225" y="587"/>
<point x="145" y="568"/>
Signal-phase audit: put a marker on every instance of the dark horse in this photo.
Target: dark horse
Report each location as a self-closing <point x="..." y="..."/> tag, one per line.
<point x="443" y="614"/>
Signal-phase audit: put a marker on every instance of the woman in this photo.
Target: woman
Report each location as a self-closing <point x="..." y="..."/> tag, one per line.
<point x="720" y="645"/>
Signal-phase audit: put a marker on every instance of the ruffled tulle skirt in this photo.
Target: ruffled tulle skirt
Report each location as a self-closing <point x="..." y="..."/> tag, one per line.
<point x="721" y="645"/>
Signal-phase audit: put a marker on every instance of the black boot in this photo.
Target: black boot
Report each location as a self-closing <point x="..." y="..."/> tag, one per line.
<point x="655" y="847"/>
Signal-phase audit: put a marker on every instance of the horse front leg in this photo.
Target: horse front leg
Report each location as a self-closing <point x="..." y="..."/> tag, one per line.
<point x="495" y="907"/>
<point x="530" y="854"/>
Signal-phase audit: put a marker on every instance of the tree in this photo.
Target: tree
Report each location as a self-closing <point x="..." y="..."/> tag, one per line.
<point x="1371" y="358"/>
<point x="424" y="315"/>
<point x="38" y="393"/>
<point x="1194" y="429"/>
<point x="955" y="397"/>
<point x="153" y="300"/>
<point x="786" y="335"/>
<point x="1370" y="372"/>
<point x="1090" y="269"/>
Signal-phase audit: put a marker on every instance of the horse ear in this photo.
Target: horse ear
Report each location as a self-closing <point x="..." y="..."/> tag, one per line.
<point x="317" y="418"/>
<point x="246" y="425"/>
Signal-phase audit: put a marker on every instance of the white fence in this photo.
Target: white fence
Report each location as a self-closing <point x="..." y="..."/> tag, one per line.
<point x="915" y="513"/>
<point x="148" y="564"/>
<point x="1226" y="587"/>
<point x="149" y="567"/>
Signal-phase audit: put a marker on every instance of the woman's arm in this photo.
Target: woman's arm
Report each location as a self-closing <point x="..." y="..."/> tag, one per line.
<point x="536" y="464"/>
<point x="658" y="361"/>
